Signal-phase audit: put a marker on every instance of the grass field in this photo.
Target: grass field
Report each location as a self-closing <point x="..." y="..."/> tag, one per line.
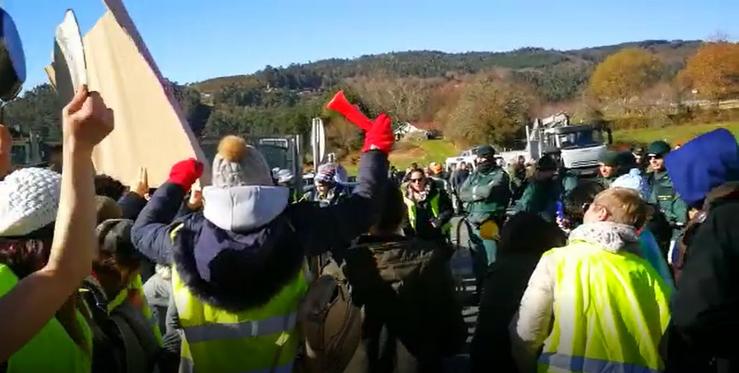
<point x="422" y="152"/>
<point x="672" y="134"/>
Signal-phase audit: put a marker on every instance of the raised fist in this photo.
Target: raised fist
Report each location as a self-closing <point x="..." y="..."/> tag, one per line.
<point x="86" y="120"/>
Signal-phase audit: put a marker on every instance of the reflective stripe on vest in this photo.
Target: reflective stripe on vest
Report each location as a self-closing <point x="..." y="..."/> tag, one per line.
<point x="585" y="365"/>
<point x="245" y="329"/>
<point x="258" y="339"/>
<point x="610" y="311"/>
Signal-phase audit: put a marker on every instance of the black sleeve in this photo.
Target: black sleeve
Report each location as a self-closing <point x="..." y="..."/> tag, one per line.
<point x="150" y="232"/>
<point x="706" y="306"/>
<point x="131" y="204"/>
<point x="331" y="227"/>
<point x="446" y="211"/>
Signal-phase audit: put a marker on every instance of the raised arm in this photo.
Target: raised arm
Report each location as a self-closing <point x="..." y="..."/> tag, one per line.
<point x="35" y="299"/>
<point x="325" y="228"/>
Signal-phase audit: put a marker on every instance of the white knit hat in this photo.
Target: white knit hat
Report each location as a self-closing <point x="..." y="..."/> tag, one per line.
<point x="29" y="199"/>
<point x="239" y="164"/>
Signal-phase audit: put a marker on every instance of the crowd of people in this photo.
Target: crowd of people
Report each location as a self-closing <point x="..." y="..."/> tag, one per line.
<point x="629" y="271"/>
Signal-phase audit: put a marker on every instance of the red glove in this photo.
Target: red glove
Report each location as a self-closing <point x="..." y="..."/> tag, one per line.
<point x="380" y="136"/>
<point x="184" y="173"/>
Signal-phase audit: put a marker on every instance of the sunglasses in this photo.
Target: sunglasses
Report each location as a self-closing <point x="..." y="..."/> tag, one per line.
<point x="416" y="180"/>
<point x="655" y="156"/>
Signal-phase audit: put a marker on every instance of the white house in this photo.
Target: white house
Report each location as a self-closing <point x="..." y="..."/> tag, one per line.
<point x="405" y="129"/>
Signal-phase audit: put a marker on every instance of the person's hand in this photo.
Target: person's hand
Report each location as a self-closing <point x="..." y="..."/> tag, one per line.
<point x="380" y="136"/>
<point x="142" y="185"/>
<point x="195" y="202"/>
<point x="185" y="173"/>
<point x="86" y="120"/>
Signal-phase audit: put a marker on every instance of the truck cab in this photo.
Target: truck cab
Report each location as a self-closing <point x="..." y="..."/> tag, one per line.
<point x="580" y="147"/>
<point x="280" y="152"/>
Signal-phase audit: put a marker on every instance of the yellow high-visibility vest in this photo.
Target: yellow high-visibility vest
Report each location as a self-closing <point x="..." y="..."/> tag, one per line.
<point x="51" y="349"/>
<point x="610" y="313"/>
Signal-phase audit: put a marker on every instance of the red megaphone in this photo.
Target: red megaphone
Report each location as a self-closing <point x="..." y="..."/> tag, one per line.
<point x="342" y="106"/>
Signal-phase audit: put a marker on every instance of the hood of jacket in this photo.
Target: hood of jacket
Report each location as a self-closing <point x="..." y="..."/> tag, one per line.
<point x="702" y="164"/>
<point x="609" y="236"/>
<point x="243" y="208"/>
<point x="237" y="270"/>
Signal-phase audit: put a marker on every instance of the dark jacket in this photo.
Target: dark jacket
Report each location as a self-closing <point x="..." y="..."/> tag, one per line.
<point x="503" y="288"/>
<point x="252" y="266"/>
<point x="131" y="205"/>
<point x="705" y="315"/>
<point x="422" y="225"/>
<point x="540" y="197"/>
<point x="458" y="178"/>
<point x="412" y="319"/>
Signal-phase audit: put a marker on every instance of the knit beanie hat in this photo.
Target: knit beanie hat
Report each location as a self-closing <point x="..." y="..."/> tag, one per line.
<point x="29" y="199"/>
<point x="239" y="164"/>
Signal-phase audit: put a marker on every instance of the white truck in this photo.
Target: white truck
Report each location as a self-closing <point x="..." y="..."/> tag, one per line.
<point x="468" y="157"/>
<point x="578" y="146"/>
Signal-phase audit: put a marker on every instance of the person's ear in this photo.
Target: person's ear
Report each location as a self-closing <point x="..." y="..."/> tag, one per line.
<point x="601" y="213"/>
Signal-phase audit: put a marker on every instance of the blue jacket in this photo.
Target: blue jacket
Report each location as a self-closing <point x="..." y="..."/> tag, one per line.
<point x="255" y="264"/>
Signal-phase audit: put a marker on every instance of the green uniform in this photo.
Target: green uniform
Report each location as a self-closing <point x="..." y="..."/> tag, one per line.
<point x="486" y="195"/>
<point x="540" y="197"/>
<point x="606" y="181"/>
<point x="664" y="196"/>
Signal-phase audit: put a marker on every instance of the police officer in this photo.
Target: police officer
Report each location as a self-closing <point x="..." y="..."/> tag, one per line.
<point x="608" y="168"/>
<point x="542" y="190"/>
<point x="663" y="195"/>
<point x="486" y="194"/>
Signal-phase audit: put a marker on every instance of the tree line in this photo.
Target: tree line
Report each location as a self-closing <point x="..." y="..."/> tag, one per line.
<point x="471" y="97"/>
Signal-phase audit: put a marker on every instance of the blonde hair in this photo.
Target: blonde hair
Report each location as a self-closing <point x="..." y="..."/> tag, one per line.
<point x="624" y="206"/>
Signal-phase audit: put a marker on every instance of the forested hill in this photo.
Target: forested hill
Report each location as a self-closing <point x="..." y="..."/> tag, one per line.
<point x="535" y="64"/>
<point x="443" y="89"/>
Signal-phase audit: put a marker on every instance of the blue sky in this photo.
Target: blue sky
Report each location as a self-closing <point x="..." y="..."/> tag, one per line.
<point x="195" y="40"/>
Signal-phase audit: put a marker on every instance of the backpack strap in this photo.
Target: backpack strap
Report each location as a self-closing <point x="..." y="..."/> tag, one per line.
<point x="135" y="358"/>
<point x="140" y="331"/>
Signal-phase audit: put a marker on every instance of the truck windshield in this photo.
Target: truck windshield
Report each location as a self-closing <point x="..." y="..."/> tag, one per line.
<point x="581" y="138"/>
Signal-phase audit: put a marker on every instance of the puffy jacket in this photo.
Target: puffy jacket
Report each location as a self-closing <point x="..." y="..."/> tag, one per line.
<point x="704" y="329"/>
<point x="608" y="308"/>
<point x="315" y="229"/>
<point x="412" y="319"/>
